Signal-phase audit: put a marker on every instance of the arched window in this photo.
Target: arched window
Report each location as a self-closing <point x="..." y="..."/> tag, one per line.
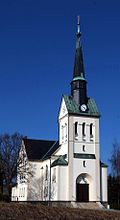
<point x="66" y="130"/>
<point x="91" y="130"/>
<point x="46" y="173"/>
<point x="76" y="129"/>
<point x="84" y="148"/>
<point x="84" y="163"/>
<point x="83" y="129"/>
<point x="54" y="175"/>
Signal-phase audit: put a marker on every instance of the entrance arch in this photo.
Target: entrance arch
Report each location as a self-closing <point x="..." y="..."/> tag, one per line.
<point x="82" y="187"/>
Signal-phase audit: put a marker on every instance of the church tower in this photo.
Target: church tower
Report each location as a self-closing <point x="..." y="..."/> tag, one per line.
<point x="79" y="139"/>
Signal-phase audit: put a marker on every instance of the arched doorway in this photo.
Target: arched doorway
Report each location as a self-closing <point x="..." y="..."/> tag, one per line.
<point x="82" y="187"/>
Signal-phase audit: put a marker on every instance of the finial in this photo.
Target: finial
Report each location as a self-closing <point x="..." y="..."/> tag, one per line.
<point x="78" y="23"/>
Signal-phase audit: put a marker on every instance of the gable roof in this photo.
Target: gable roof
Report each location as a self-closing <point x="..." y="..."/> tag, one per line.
<point x="73" y="108"/>
<point x="40" y="149"/>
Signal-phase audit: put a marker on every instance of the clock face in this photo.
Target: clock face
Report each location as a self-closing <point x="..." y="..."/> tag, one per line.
<point x="83" y="107"/>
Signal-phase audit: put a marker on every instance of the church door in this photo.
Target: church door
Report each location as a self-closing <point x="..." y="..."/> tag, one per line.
<point x="82" y="194"/>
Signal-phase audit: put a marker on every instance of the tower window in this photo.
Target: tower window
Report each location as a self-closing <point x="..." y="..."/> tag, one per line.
<point x="84" y="163"/>
<point x="84" y="148"/>
<point x="76" y="129"/>
<point x="91" y="130"/>
<point x="83" y="129"/>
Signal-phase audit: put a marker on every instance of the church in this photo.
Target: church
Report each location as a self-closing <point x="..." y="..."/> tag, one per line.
<point x="69" y="169"/>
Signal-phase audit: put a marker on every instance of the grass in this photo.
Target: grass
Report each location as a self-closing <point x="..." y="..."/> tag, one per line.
<point x="16" y="211"/>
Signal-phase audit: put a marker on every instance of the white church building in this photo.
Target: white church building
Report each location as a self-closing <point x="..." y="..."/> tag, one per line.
<point x="69" y="169"/>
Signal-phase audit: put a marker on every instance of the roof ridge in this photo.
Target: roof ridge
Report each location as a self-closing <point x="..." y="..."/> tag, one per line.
<point x="38" y="139"/>
<point x="49" y="149"/>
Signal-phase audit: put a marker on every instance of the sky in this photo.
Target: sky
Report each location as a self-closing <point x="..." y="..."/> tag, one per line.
<point x="37" y="49"/>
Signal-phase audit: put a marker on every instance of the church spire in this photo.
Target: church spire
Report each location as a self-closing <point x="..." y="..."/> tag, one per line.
<point x="78" y="64"/>
<point x="78" y="84"/>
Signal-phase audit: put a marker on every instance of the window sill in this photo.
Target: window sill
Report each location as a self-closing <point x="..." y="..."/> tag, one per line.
<point x="84" y="138"/>
<point x="76" y="137"/>
<point x="91" y="140"/>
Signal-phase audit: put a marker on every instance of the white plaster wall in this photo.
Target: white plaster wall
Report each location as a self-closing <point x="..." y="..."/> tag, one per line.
<point x="14" y="194"/>
<point x="22" y="192"/>
<point x="63" y="110"/>
<point x="63" y="149"/>
<point x="27" y="188"/>
<point x="34" y="188"/>
<point x="19" y="193"/>
<point x="87" y="121"/>
<point x="54" y="183"/>
<point x="34" y="182"/>
<point x="104" y="185"/>
<point x="91" y="147"/>
<point x="70" y="159"/>
<point x="90" y="170"/>
<point x="63" y="131"/>
<point x="97" y="154"/>
<point x="62" y="183"/>
<point x="38" y="186"/>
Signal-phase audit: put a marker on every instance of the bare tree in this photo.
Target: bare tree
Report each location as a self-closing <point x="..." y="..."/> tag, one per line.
<point x="53" y="186"/>
<point x="24" y="168"/>
<point x="114" y="179"/>
<point x="9" y="149"/>
<point x="39" y="188"/>
<point x="115" y="159"/>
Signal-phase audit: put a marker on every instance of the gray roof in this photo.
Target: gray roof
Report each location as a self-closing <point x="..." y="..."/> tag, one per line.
<point x="40" y="149"/>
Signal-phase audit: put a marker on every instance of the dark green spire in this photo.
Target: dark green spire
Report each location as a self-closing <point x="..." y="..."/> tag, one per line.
<point x="78" y="84"/>
<point x="78" y="65"/>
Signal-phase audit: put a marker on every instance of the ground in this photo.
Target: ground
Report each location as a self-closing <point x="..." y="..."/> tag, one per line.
<point x="23" y="211"/>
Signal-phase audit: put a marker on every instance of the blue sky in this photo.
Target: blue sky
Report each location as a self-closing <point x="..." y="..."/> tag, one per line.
<point x="37" y="47"/>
